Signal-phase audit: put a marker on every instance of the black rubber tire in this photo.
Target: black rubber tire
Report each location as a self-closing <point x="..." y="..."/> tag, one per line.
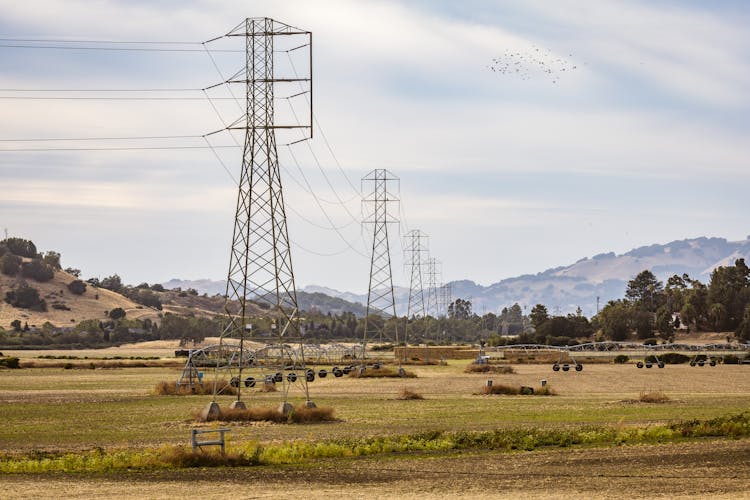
<point x="337" y="372"/>
<point x="249" y="382"/>
<point x="661" y="364"/>
<point x="291" y="377"/>
<point x="579" y="367"/>
<point x="565" y="367"/>
<point x="234" y="382"/>
<point x="639" y="364"/>
<point x="322" y="374"/>
<point x="556" y="367"/>
<point x="278" y="377"/>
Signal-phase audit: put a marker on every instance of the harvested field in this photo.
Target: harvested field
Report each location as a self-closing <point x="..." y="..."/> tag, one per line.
<point x="716" y="469"/>
<point x="56" y="410"/>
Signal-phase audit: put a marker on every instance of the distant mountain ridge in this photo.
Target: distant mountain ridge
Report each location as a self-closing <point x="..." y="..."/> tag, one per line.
<point x="561" y="289"/>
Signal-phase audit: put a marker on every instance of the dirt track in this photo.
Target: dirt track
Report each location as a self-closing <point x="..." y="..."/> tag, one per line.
<point x="714" y="468"/>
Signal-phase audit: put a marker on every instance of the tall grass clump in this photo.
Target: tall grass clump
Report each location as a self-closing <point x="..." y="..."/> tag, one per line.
<point x="408" y="394"/>
<point x="653" y="397"/>
<point x="488" y="368"/>
<point x="382" y="372"/>
<point x="164" y="388"/>
<point x="301" y="414"/>
<point x="513" y="390"/>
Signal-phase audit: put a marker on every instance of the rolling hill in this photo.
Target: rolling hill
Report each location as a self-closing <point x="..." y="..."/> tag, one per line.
<point x="563" y="289"/>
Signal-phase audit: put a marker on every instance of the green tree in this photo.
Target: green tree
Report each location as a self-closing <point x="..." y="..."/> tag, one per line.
<point x="38" y="270"/>
<point x="52" y="259"/>
<point x="664" y="322"/>
<point x="10" y="264"/>
<point x="16" y="325"/>
<point x="26" y="297"/>
<point x="460" y="309"/>
<point x="77" y="287"/>
<point x="730" y="288"/>
<point x="117" y="313"/>
<point x="538" y="315"/>
<point x="743" y="332"/>
<point x="614" y="319"/>
<point x="645" y="290"/>
<point x="113" y="283"/>
<point x="20" y="247"/>
<point x="73" y="271"/>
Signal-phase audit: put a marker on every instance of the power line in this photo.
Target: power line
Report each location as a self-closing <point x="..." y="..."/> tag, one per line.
<point x="67" y="40"/>
<point x="114" y="49"/>
<point x="108" y="98"/>
<point x="134" y="138"/>
<point x="123" y="148"/>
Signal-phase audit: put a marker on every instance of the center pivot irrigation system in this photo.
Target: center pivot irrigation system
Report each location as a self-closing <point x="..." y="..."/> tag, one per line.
<point x="648" y="356"/>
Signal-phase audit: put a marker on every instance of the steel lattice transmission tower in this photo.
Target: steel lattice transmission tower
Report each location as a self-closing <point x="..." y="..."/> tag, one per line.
<point x="415" y="251"/>
<point x="380" y="299"/>
<point x="260" y="263"/>
<point x="445" y="298"/>
<point x="433" y="272"/>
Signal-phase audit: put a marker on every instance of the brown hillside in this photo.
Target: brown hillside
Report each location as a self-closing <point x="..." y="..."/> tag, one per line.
<point x="95" y="303"/>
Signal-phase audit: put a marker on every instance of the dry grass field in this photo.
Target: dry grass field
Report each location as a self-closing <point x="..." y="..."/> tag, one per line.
<point x="58" y="410"/>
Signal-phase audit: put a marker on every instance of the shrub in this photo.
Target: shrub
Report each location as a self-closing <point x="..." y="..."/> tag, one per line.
<point x="381" y="372"/>
<point x="26" y="297"/>
<point x="9" y="363"/>
<point x="117" y="313"/>
<point x="731" y="359"/>
<point x="10" y="264"/>
<point x="513" y="390"/>
<point x="674" y="358"/>
<point x="621" y="359"/>
<point x="488" y="368"/>
<point x="37" y="270"/>
<point x="77" y="287"/>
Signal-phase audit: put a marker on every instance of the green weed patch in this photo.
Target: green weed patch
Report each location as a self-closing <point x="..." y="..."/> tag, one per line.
<point x="296" y="452"/>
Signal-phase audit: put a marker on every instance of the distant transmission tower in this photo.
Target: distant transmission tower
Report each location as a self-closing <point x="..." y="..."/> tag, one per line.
<point x="260" y="262"/>
<point x="444" y="298"/>
<point x="380" y="299"/>
<point x="415" y="251"/>
<point x="433" y="272"/>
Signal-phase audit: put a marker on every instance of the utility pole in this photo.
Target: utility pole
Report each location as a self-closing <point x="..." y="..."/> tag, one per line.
<point x="380" y="299"/>
<point x="260" y="261"/>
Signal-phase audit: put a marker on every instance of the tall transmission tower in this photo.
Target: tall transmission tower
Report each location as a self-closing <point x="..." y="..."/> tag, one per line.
<point x="415" y="251"/>
<point x="380" y="299"/>
<point x="433" y="273"/>
<point x="260" y="262"/>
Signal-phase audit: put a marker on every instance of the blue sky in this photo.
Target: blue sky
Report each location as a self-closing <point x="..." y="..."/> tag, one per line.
<point x="645" y="142"/>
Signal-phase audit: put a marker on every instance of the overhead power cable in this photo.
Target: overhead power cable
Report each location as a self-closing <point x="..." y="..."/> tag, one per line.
<point x="122" y="148"/>
<point x="134" y="138"/>
<point x="114" y="49"/>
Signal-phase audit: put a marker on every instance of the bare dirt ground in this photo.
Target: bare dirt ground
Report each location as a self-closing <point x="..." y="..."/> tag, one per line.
<point x="712" y="468"/>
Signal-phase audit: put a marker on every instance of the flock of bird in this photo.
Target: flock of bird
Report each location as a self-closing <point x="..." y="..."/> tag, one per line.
<point x="536" y="63"/>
